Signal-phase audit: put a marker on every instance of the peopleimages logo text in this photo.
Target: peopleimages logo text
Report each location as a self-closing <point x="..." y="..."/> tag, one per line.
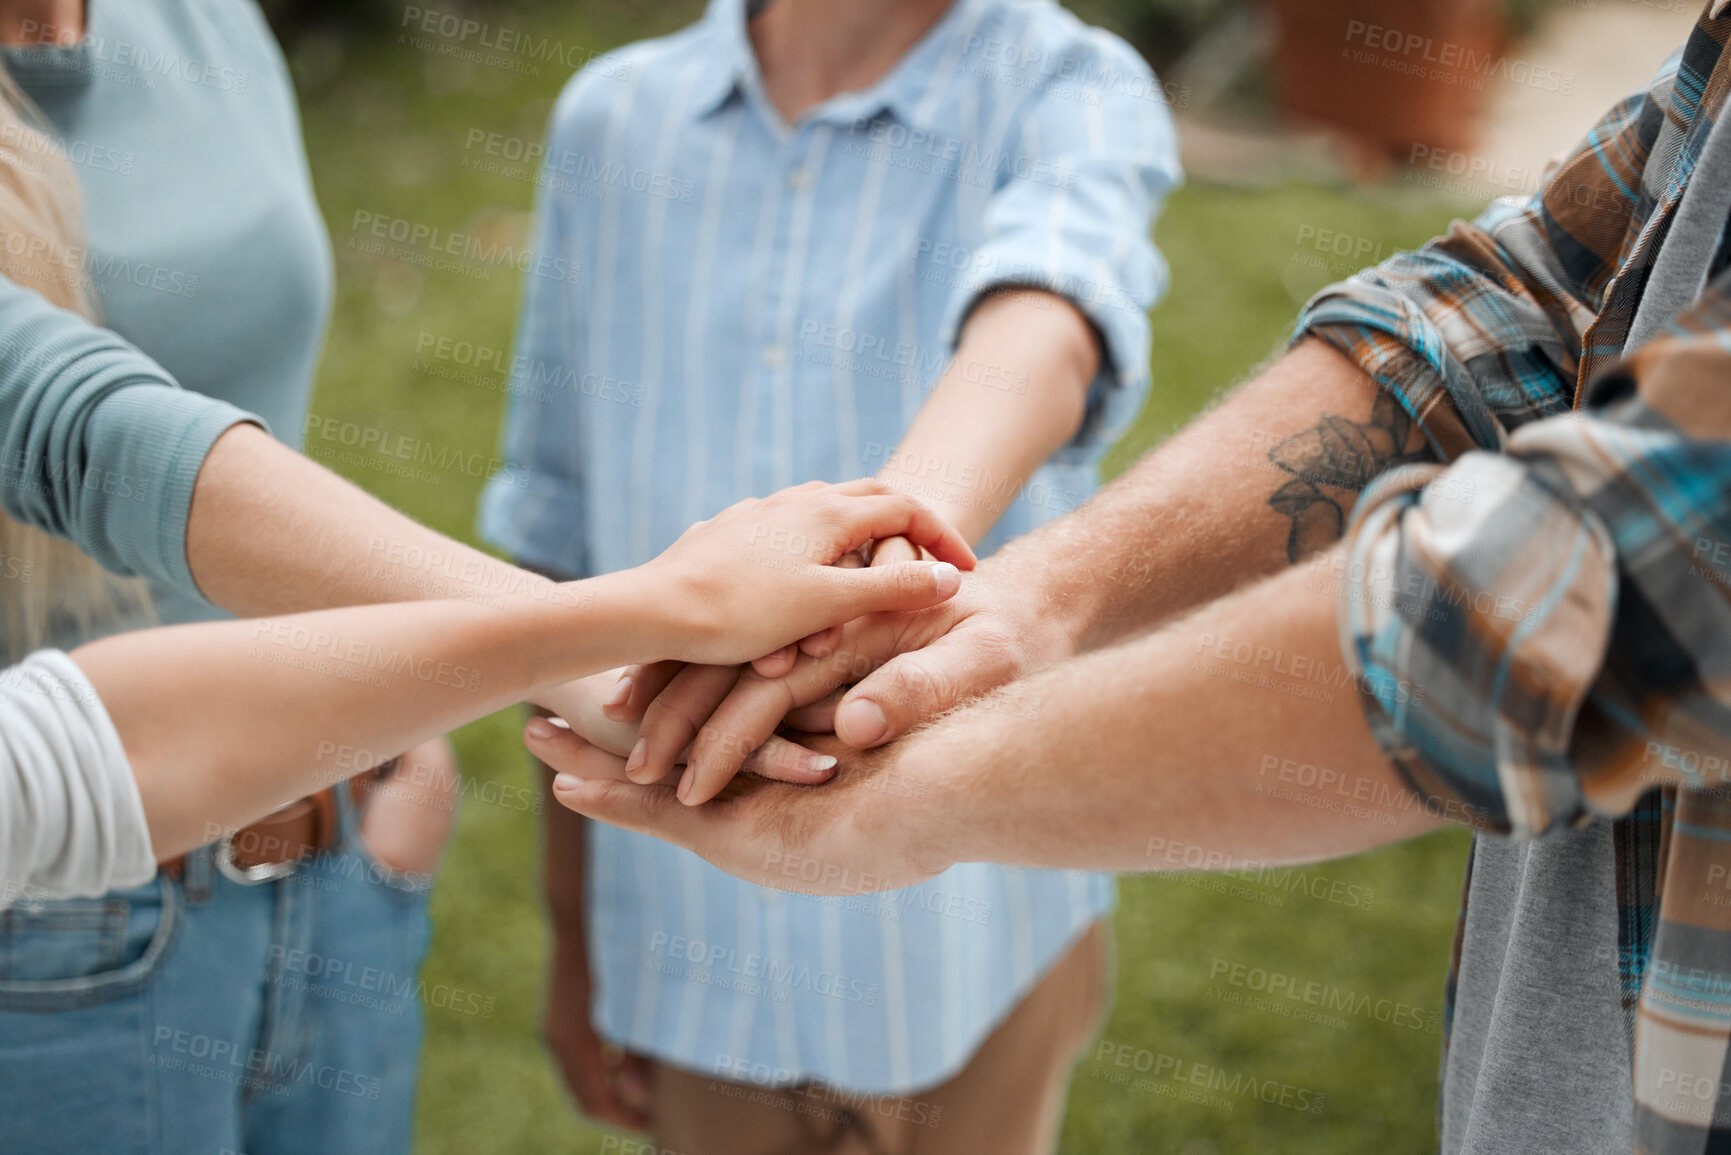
<point x="1414" y="50"/>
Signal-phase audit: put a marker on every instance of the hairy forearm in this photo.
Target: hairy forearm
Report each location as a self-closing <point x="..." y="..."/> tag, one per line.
<point x="1013" y="395"/>
<point x="1233" y="736"/>
<point x="271" y="532"/>
<point x="223" y="721"/>
<point x="1262" y="481"/>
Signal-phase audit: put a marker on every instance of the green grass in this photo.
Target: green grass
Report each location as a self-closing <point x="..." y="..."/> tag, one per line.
<point x="387" y="124"/>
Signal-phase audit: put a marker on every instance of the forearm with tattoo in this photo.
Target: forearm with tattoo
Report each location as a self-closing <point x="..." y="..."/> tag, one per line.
<point x="1331" y="463"/>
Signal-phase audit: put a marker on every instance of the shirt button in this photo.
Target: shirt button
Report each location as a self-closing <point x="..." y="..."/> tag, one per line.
<point x="775" y="356"/>
<point x="800" y="178"/>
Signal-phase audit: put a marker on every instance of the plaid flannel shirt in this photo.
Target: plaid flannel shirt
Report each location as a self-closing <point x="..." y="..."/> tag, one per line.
<point x="1561" y="585"/>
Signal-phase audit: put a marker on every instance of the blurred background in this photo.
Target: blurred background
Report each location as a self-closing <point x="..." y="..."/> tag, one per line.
<point x="1312" y="149"/>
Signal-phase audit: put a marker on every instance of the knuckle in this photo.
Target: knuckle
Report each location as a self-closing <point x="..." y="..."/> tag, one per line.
<point x="921" y="679"/>
<point x="659" y="719"/>
<point x="997" y="651"/>
<point x="756" y="694"/>
<point x="686" y="717"/>
<point x="715" y="744"/>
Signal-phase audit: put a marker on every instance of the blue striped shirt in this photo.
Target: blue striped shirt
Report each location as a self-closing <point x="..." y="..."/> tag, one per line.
<point x="761" y="304"/>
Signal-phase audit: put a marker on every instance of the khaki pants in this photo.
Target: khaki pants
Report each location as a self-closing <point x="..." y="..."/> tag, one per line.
<point x="1008" y="1100"/>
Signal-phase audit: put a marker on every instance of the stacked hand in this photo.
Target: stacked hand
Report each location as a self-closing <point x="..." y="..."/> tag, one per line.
<point x="870" y="681"/>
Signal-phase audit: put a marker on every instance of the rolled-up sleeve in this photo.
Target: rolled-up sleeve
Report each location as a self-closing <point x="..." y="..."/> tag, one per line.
<point x="1072" y="213"/>
<point x="98" y="443"/>
<point x="1458" y="333"/>
<point x="1543" y="636"/>
<point x="1495" y="606"/>
<point x="1484" y="329"/>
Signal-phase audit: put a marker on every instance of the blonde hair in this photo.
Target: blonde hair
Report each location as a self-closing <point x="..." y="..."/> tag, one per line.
<point x="51" y="592"/>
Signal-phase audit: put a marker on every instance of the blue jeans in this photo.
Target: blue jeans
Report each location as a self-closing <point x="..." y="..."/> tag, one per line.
<point x="207" y="1016"/>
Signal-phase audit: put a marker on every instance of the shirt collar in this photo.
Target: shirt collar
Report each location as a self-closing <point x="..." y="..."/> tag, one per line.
<point x="732" y="66"/>
<point x="902" y="91"/>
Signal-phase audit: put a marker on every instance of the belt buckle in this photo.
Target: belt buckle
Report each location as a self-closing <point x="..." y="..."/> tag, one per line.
<point x="256" y="875"/>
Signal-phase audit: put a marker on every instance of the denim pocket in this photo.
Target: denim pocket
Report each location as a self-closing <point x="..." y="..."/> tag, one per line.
<point x="354" y="861"/>
<point x="60" y="956"/>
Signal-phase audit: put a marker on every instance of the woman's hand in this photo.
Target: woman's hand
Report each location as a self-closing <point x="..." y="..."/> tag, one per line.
<point x="762" y="574"/>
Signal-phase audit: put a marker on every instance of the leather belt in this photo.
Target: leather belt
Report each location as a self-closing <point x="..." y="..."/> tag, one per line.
<point x="276" y="844"/>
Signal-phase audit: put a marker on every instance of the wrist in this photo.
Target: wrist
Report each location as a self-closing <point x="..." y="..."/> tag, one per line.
<point x="1026" y="587"/>
<point x="957" y="504"/>
<point x="931" y="820"/>
<point x="646" y="611"/>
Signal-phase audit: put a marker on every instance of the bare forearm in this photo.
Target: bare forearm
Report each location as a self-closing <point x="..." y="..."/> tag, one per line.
<point x="271" y="532"/>
<point x="1245" y="490"/>
<point x="1233" y="736"/>
<point x="223" y="721"/>
<point x="563" y="866"/>
<point x="1013" y="394"/>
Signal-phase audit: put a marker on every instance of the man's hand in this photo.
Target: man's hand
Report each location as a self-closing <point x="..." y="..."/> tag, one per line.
<point x="612" y="1086"/>
<point x="867" y="831"/>
<point x="1181" y="750"/>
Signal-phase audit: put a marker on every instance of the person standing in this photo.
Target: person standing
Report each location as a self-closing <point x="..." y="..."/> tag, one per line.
<point x="206" y="251"/>
<point x="901" y="237"/>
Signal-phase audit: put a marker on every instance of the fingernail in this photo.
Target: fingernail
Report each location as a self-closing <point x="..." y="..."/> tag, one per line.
<point x="540" y="729"/>
<point x="861" y="722"/>
<point x="820" y="762"/>
<point x="620" y="695"/>
<point x="684" y="790"/>
<point x="563" y="781"/>
<point x="634" y="763"/>
<point x="947" y="577"/>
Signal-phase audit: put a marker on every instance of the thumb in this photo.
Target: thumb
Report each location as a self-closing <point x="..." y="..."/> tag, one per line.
<point x="918" y="685"/>
<point x="912" y="585"/>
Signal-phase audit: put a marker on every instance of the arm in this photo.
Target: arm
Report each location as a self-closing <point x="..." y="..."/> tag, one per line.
<point x="275" y="697"/>
<point x="98" y="443"/>
<point x="270" y="531"/>
<point x="1195" y="781"/>
<point x="1188" y="523"/>
<point x="1535" y="639"/>
<point x="102" y="446"/>
<point x="610" y="1086"/>
<point x="1480" y="332"/>
<point x="271" y="695"/>
<point x="1014" y="393"/>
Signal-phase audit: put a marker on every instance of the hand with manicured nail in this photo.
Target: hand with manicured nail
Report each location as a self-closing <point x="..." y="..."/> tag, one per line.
<point x="579" y="705"/>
